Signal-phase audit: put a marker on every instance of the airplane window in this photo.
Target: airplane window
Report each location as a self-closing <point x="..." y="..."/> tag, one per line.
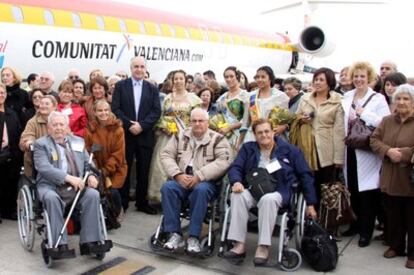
<point x="100" y="23"/>
<point x="187" y="33"/>
<point x="141" y="27"/>
<point x="49" y="17"/>
<point x="122" y="25"/>
<point x="76" y="20"/>
<point x="158" y="29"/>
<point x="172" y="30"/>
<point x="17" y="14"/>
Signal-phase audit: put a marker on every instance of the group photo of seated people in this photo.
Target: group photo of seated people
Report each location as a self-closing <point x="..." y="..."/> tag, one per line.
<point x="186" y="139"/>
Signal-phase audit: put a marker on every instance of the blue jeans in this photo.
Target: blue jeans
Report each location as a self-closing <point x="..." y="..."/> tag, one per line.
<point x="173" y="194"/>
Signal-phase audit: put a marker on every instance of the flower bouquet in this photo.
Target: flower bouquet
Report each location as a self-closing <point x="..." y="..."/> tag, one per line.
<point x="280" y="116"/>
<point x="218" y="122"/>
<point x="167" y="123"/>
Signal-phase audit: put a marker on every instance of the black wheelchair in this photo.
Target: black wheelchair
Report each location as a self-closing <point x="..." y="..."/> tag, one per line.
<point x="290" y="222"/>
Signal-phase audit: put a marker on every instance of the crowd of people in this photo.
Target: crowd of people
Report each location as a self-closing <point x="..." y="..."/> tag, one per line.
<point x="189" y="131"/>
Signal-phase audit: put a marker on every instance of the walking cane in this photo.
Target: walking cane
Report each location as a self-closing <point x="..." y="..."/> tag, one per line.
<point x="95" y="148"/>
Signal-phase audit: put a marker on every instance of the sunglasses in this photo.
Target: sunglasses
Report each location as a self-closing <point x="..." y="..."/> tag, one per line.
<point x="73" y="77"/>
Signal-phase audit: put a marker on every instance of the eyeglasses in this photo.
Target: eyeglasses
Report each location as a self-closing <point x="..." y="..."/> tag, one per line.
<point x="73" y="77"/>
<point x="122" y="75"/>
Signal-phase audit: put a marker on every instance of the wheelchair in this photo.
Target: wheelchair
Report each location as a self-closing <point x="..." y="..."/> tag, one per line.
<point x="33" y="218"/>
<point x="290" y="221"/>
<point x="207" y="243"/>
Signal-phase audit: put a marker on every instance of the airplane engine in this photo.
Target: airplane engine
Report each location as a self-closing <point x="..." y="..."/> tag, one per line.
<point x="313" y="40"/>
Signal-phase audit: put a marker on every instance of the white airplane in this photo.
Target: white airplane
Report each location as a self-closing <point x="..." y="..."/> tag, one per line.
<point x="56" y="36"/>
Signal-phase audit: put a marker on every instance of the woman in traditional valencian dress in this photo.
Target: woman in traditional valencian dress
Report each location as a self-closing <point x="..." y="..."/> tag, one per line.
<point x="262" y="101"/>
<point x="175" y="116"/>
<point x="232" y="106"/>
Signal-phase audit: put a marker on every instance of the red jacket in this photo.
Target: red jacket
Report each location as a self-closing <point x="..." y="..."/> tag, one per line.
<point x="77" y="119"/>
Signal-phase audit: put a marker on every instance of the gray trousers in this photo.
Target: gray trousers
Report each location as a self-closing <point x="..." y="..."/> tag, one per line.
<point x="240" y="205"/>
<point x="91" y="230"/>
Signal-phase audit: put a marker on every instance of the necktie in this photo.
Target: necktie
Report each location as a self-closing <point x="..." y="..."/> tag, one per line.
<point x="70" y="158"/>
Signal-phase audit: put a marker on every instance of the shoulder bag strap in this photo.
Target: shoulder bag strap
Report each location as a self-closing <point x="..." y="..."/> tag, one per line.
<point x="369" y="98"/>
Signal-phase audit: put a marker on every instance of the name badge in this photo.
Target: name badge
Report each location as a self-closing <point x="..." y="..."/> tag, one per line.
<point x="67" y="111"/>
<point x="77" y="146"/>
<point x="273" y="166"/>
<point x="55" y="156"/>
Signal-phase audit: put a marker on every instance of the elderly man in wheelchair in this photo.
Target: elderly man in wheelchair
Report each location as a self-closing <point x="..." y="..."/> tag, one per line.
<point x="61" y="161"/>
<point x="283" y="165"/>
<point x="194" y="160"/>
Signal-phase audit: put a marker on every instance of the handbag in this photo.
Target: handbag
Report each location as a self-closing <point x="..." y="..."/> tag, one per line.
<point x="318" y="247"/>
<point x="260" y="182"/>
<point x="359" y="133"/>
<point x="335" y="208"/>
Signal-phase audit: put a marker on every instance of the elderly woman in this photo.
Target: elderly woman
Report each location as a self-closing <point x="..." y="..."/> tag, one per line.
<point x="322" y="109"/>
<point x="293" y="87"/>
<point x="268" y="152"/>
<point x="362" y="167"/>
<point x="9" y="157"/>
<point x="36" y="128"/>
<point x="106" y="130"/>
<point x="393" y="142"/>
<point x="77" y="115"/>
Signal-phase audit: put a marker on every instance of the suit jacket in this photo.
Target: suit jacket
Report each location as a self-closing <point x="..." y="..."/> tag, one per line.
<point x="123" y="106"/>
<point x="46" y="159"/>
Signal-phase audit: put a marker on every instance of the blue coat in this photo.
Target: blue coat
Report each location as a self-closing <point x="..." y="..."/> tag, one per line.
<point x="294" y="169"/>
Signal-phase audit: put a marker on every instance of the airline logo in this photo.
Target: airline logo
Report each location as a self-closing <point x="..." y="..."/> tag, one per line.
<point x="3" y="46"/>
<point x="53" y="49"/>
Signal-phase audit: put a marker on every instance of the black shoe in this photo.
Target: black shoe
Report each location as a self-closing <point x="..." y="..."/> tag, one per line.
<point x="95" y="247"/>
<point x="63" y="247"/>
<point x="380" y="237"/>
<point x="349" y="233"/>
<point x="11" y="216"/>
<point x="234" y="257"/>
<point x="260" y="261"/>
<point x="363" y="242"/>
<point x="147" y="209"/>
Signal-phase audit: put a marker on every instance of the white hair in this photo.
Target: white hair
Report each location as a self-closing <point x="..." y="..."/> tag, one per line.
<point x="404" y="89"/>
<point x="56" y="114"/>
<point x="49" y="75"/>
<point x="113" y="77"/>
<point x="200" y="111"/>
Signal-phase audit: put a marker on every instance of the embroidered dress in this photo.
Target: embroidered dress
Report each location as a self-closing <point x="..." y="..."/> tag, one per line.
<point x="234" y="110"/>
<point x="179" y="112"/>
<point x="261" y="107"/>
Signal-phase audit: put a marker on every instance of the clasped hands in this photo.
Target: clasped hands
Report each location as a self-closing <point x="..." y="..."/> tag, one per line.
<point x="187" y="181"/>
<point x="78" y="184"/>
<point x="135" y="128"/>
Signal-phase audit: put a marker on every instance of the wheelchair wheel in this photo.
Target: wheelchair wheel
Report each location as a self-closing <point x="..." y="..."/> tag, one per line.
<point x="46" y="258"/>
<point x="157" y="244"/>
<point x="291" y="260"/>
<point x="25" y="220"/>
<point x="300" y="221"/>
<point x="207" y="250"/>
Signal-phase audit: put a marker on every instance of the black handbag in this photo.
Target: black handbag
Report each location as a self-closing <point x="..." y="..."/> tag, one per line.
<point x="5" y="153"/>
<point x="318" y="247"/>
<point x="260" y="182"/>
<point x="359" y="133"/>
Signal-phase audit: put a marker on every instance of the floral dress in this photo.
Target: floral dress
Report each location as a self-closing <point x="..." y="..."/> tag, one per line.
<point x="180" y="113"/>
<point x="234" y="110"/>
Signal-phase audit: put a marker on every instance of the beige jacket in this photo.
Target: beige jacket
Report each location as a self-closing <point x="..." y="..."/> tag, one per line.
<point x="212" y="156"/>
<point x="328" y="127"/>
<point x="36" y="128"/>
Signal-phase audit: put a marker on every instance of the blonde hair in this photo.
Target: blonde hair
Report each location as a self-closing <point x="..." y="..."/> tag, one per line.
<point x="363" y="65"/>
<point x="16" y="75"/>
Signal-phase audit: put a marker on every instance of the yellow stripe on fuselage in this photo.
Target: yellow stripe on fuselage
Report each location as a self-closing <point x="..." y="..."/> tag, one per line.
<point x="63" y="18"/>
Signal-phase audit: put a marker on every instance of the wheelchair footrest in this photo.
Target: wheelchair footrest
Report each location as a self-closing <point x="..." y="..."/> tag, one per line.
<point x="57" y="254"/>
<point x="96" y="248"/>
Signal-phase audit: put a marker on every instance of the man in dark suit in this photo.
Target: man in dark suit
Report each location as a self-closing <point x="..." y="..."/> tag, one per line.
<point x="136" y="102"/>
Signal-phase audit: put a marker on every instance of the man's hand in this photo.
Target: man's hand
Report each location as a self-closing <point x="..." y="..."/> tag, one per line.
<point x="395" y="155"/>
<point x="184" y="180"/>
<point x="310" y="212"/>
<point x="76" y="182"/>
<point x="27" y="145"/>
<point x="280" y="129"/>
<point x="93" y="181"/>
<point x="237" y="187"/>
<point x="359" y="111"/>
<point x="194" y="181"/>
<point x="225" y="130"/>
<point x="135" y="128"/>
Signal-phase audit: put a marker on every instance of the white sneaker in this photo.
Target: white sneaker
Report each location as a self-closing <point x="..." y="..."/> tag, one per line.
<point x="193" y="245"/>
<point x="174" y="242"/>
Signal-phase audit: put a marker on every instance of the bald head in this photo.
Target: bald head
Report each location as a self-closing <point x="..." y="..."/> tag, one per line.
<point x="386" y="68"/>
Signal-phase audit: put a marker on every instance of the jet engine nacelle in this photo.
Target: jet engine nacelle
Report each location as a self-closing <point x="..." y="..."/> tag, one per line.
<point x="313" y="40"/>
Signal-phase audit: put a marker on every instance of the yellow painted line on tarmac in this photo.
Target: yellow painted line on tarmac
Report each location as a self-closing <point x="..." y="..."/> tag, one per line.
<point x="128" y="267"/>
